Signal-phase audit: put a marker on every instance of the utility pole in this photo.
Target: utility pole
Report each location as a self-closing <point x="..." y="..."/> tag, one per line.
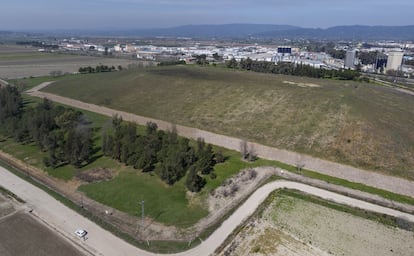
<point x="142" y="213"/>
<point x="142" y="217"/>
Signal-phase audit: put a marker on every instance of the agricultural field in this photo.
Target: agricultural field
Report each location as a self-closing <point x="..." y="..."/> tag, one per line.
<point x="359" y="124"/>
<point x="20" y="61"/>
<point x="292" y="225"/>
<point x="20" y="234"/>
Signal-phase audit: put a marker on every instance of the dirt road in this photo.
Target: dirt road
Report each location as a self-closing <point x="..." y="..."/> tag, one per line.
<point x="101" y="242"/>
<point x="390" y="183"/>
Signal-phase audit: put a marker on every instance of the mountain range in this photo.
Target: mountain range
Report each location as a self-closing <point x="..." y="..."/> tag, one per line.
<point x="242" y="31"/>
<point x="283" y="31"/>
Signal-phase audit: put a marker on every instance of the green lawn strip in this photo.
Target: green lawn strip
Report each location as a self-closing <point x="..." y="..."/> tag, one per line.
<point x="233" y="165"/>
<point x="163" y="203"/>
<point x="30" y="55"/>
<point x="345" y="183"/>
<point x="30" y="82"/>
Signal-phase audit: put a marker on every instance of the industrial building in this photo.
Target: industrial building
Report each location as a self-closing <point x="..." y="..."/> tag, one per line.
<point x="394" y="60"/>
<point x="350" y="58"/>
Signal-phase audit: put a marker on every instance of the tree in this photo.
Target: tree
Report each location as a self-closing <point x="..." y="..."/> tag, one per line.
<point x="367" y="57"/>
<point x="201" y="59"/>
<point x="205" y="157"/>
<point x="252" y="156"/>
<point x="219" y="156"/>
<point x="217" y="57"/>
<point x="232" y="63"/>
<point x="194" y="182"/>
<point x="244" y="149"/>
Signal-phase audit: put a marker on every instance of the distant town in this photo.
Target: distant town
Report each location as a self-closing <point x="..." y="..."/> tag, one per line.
<point x="381" y="57"/>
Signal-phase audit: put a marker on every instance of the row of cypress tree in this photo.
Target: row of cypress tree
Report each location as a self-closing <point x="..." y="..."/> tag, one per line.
<point x="62" y="132"/>
<point x="165" y="153"/>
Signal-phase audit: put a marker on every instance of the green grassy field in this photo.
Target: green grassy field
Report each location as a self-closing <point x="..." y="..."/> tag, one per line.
<point x="28" y="55"/>
<point x="359" y="124"/>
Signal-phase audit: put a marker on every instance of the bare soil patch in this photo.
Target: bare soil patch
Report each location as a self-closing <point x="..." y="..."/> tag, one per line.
<point x="21" y="235"/>
<point x="96" y="175"/>
<point x="236" y="188"/>
<point x="6" y="207"/>
<point x="291" y="226"/>
<point x="311" y="85"/>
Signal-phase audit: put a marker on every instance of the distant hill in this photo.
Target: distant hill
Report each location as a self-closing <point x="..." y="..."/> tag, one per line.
<point x="229" y="31"/>
<point x="203" y="31"/>
<point x="347" y="32"/>
<point x="280" y="31"/>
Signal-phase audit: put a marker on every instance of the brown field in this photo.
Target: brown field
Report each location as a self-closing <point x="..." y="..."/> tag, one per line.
<point x="19" y="61"/>
<point x="22" y="235"/>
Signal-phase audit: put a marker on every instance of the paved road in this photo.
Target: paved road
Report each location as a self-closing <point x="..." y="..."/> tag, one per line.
<point x="390" y="183"/>
<point x="3" y="82"/>
<point x="102" y="242"/>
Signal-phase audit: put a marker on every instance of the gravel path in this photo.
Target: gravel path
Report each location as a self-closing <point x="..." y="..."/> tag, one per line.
<point x="390" y="183"/>
<point x="102" y="242"/>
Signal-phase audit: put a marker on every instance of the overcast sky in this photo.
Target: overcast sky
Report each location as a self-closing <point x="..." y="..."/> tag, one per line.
<point x="119" y="14"/>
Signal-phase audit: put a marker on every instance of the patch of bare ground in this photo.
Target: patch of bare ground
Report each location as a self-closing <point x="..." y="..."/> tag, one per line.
<point x="302" y="84"/>
<point x="6" y="207"/>
<point x="291" y="226"/>
<point x="257" y="238"/>
<point x="96" y="175"/>
<point x="236" y="188"/>
<point x="22" y="235"/>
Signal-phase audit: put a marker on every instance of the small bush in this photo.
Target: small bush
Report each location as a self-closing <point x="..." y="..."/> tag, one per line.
<point x="213" y="176"/>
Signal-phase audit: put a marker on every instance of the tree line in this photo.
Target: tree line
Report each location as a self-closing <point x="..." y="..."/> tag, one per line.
<point x="170" y="156"/>
<point x="67" y="136"/>
<point x="62" y="132"/>
<point x="171" y="63"/>
<point x="328" y="48"/>
<point x="97" y="69"/>
<point x="292" y="69"/>
<point x="39" y="44"/>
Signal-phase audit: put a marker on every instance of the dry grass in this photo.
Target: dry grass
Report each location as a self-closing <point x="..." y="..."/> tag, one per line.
<point x="19" y="61"/>
<point x="358" y="124"/>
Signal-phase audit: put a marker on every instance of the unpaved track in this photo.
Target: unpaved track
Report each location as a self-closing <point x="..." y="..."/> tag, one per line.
<point x="390" y="183"/>
<point x="102" y="242"/>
